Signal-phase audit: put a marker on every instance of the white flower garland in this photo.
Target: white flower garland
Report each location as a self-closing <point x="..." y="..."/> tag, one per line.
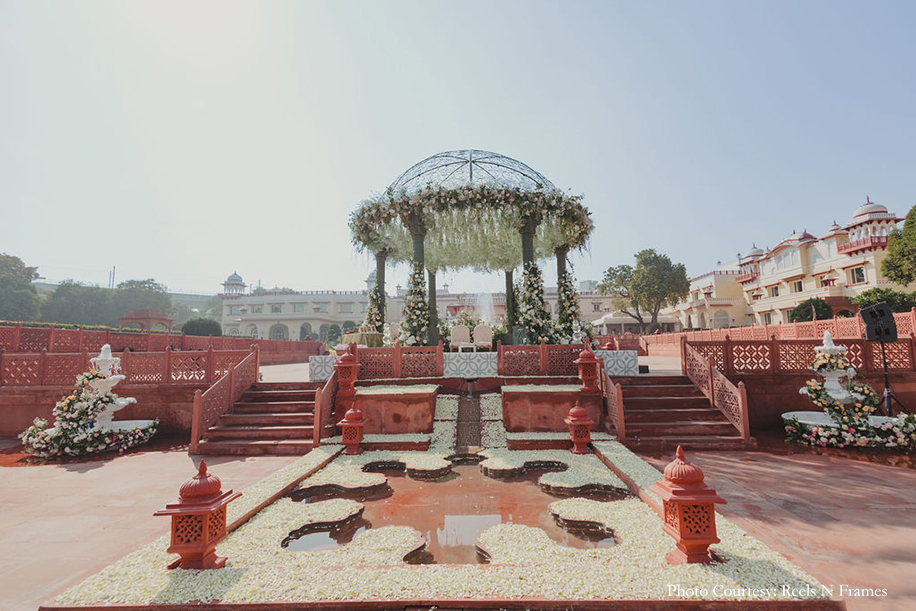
<point x="492" y="434"/>
<point x="491" y="407"/>
<point x="446" y="407"/>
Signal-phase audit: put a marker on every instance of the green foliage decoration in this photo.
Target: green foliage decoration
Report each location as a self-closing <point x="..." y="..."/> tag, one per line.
<point x="202" y="327"/>
<point x="900" y="263"/>
<point x="897" y="301"/>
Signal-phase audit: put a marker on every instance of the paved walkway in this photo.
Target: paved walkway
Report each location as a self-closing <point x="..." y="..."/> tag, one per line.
<point x="60" y="524"/>
<point x="846" y="522"/>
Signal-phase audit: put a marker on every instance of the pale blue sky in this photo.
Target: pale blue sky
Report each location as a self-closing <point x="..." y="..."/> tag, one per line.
<point x="182" y="141"/>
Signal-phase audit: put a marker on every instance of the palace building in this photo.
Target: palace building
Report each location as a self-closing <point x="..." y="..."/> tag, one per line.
<point x="763" y="286"/>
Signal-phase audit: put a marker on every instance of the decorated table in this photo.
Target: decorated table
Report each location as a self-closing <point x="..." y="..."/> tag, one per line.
<point x="363" y="338"/>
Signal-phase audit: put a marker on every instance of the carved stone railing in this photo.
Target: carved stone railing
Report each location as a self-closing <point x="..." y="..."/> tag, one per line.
<point x="169" y="367"/>
<point x="221" y="396"/>
<point x="400" y="362"/>
<point x="613" y="399"/>
<point x="539" y="360"/>
<point x="20" y="337"/>
<point x="324" y="410"/>
<point x="723" y="395"/>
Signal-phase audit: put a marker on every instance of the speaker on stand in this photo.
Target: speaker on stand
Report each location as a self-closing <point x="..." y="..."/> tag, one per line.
<point x="880" y="326"/>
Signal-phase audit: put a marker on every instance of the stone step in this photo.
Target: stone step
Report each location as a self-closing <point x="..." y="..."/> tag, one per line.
<point x="637" y="403"/>
<point x="679" y="430"/>
<point x="698" y="442"/>
<point x="240" y="447"/>
<point x="653" y="380"/>
<point x="274" y="407"/>
<point x="664" y="414"/>
<point x="267" y="419"/>
<point x="259" y="433"/>
<point x="661" y="390"/>
<point x="287" y="385"/>
<point x="261" y="396"/>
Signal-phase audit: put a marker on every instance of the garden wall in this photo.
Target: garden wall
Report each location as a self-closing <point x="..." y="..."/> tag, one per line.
<point x="172" y="405"/>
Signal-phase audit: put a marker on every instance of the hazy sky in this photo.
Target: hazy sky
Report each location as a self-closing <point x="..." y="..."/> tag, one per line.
<point x="184" y="140"/>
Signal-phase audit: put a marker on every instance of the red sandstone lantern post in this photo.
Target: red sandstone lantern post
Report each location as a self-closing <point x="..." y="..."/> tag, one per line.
<point x="580" y="426"/>
<point x="351" y="430"/>
<point x="689" y="511"/>
<point x="588" y="370"/>
<point x="347" y="373"/>
<point x="199" y="521"/>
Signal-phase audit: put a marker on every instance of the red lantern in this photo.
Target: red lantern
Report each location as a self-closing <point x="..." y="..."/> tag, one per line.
<point x="588" y="370"/>
<point x="689" y="511"/>
<point x="580" y="427"/>
<point x="199" y="521"/>
<point x="351" y="430"/>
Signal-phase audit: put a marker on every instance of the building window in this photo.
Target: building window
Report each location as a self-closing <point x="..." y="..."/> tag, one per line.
<point x="596" y="307"/>
<point x="235" y="309"/>
<point x="798" y="286"/>
<point x="774" y="291"/>
<point x="257" y="309"/>
<point x="321" y="308"/>
<point x="275" y="308"/>
<point x="346" y="307"/>
<point x="857" y="275"/>
<point x="298" y="307"/>
<point x="768" y="318"/>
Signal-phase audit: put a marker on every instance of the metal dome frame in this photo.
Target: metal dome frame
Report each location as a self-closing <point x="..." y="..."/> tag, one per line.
<point x="457" y="168"/>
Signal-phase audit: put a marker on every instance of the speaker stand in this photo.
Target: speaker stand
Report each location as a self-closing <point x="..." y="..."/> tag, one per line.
<point x="889" y="396"/>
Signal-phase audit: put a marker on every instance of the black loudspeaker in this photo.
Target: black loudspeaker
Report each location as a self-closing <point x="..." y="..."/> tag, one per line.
<point x="880" y="325"/>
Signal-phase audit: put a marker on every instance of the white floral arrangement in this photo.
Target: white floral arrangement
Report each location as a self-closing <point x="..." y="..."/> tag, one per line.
<point x="375" y="315"/>
<point x="541" y="388"/>
<point x="445" y="436"/>
<point x="492" y="434"/>
<point x="582" y="470"/>
<point x="568" y="313"/>
<point x="491" y="406"/>
<point x="446" y="407"/>
<point x="414" y="389"/>
<point x="415" y="318"/>
<point x="535" y="435"/>
<point x="531" y="308"/>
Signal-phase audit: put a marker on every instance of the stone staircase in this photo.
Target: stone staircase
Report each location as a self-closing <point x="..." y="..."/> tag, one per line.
<point x="270" y="418"/>
<point x="666" y="411"/>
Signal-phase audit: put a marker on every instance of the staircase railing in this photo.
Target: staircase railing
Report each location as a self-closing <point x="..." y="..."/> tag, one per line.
<point x="729" y="399"/>
<point x="613" y="398"/>
<point x="219" y="398"/>
<point x="324" y="408"/>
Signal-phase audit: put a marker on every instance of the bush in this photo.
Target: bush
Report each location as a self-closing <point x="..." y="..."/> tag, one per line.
<point x="803" y="311"/>
<point x="897" y="301"/>
<point x="202" y="327"/>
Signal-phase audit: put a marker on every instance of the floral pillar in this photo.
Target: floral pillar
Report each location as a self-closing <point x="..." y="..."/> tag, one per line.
<point x="688" y="511"/>
<point x="199" y="521"/>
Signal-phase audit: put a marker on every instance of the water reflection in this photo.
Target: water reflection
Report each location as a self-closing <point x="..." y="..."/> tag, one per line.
<point x="451" y="513"/>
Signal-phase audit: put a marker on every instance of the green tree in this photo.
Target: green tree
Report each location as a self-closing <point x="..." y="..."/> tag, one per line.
<point x="645" y="289"/>
<point x="141" y="295"/>
<point x="897" y="301"/>
<point x="77" y="304"/>
<point x="334" y="334"/>
<point x="202" y="327"/>
<point x="900" y="264"/>
<point x="18" y="296"/>
<point x="807" y="309"/>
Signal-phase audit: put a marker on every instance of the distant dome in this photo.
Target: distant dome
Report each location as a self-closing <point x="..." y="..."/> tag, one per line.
<point x="470" y="167"/>
<point x="870" y="207"/>
<point x="804" y="236"/>
<point x="234" y="278"/>
<point x="754" y="252"/>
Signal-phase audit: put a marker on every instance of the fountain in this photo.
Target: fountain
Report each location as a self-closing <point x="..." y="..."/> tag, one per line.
<point x="109" y="366"/>
<point x="484" y="308"/>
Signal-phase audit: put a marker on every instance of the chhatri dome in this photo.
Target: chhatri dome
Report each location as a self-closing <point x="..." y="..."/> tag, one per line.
<point x="870" y="207"/>
<point x="470" y="167"/>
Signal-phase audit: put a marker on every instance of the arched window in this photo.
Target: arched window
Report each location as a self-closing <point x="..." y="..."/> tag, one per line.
<point x="721" y="319"/>
<point x="323" y="332"/>
<point x="279" y="331"/>
<point x="233" y="331"/>
<point x="252" y="331"/>
<point x="305" y="331"/>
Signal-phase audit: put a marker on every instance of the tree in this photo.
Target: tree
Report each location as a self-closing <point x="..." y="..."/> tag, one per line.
<point x="645" y="289"/>
<point x="334" y="334"/>
<point x="807" y="310"/>
<point x="18" y="296"/>
<point x="141" y="295"/>
<point x="897" y="301"/>
<point x="77" y="304"/>
<point x="900" y="264"/>
<point x="202" y="327"/>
